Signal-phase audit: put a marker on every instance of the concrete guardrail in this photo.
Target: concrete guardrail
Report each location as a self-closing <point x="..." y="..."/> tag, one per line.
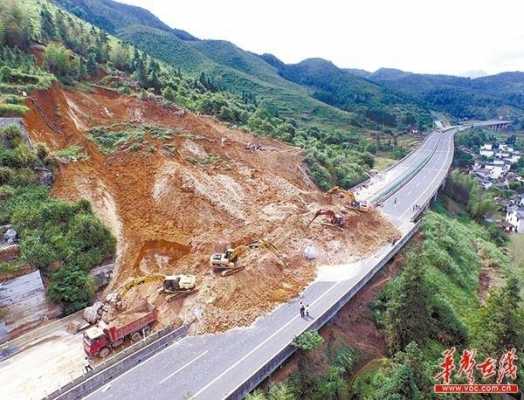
<point x="242" y="390"/>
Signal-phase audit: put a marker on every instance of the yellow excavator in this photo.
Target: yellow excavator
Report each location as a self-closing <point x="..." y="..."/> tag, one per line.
<point x="349" y="199"/>
<point x="226" y="263"/>
<point x="334" y="219"/>
<point x="172" y="285"/>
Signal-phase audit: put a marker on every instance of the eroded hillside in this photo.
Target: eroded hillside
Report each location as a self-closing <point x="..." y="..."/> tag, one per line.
<point x="175" y="187"/>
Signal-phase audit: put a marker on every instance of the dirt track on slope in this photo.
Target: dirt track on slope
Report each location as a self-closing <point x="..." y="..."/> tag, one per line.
<point x="172" y="205"/>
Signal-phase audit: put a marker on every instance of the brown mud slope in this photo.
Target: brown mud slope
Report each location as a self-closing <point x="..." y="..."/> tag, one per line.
<point x="174" y="201"/>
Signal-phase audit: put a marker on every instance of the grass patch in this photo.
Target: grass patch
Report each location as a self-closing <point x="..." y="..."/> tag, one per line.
<point x="10" y="267"/>
<point x="208" y="160"/>
<point x="71" y="154"/>
<point x="362" y="381"/>
<point x="127" y="136"/>
<point x="12" y="110"/>
<point x="382" y="163"/>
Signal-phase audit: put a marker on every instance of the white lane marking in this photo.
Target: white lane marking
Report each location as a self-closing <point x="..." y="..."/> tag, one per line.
<point x="430" y="185"/>
<point x="260" y="344"/>
<point x="184" y="366"/>
<point x="136" y="366"/>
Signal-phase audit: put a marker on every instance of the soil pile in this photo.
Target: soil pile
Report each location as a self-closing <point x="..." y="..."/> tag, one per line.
<point x="175" y="187"/>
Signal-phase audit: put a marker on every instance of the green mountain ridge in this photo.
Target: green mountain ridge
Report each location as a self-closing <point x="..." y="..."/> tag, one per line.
<point x="314" y="92"/>
<point x="241" y="71"/>
<point x="484" y="97"/>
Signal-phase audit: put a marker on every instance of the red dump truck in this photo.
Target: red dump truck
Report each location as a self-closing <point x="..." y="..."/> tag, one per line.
<point x="100" y="340"/>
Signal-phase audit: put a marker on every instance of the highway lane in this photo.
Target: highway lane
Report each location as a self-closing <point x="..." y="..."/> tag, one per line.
<point x="418" y="190"/>
<point x="379" y="182"/>
<point x="212" y="366"/>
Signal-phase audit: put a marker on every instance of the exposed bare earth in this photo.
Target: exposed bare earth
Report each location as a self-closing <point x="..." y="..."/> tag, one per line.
<point x="172" y="205"/>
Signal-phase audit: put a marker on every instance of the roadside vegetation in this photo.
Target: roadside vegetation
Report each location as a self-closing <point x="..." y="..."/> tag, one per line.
<point x="306" y="383"/>
<point x="63" y="240"/>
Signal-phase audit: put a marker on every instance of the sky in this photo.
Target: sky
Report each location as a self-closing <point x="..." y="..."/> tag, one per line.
<point x="459" y="37"/>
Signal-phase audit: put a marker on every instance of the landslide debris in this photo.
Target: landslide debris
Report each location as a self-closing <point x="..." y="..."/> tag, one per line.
<point x="174" y="187"/>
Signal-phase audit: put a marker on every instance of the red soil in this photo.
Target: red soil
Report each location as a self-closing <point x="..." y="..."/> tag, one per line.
<point x="170" y="212"/>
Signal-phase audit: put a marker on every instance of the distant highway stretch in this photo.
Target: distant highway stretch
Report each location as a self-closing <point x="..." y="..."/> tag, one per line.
<point x="230" y="364"/>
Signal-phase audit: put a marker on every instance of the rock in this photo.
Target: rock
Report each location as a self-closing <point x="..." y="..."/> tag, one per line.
<point x="73" y="327"/>
<point x="93" y="313"/>
<point x="46" y="178"/>
<point x="10" y="236"/>
<point x="310" y="252"/>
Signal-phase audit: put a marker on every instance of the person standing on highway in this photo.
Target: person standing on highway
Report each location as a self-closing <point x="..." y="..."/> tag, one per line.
<point x="88" y="366"/>
<point x="307" y="311"/>
<point x="395" y="201"/>
<point x="302" y="310"/>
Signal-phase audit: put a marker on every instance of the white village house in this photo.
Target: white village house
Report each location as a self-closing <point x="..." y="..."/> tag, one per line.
<point x="486" y="150"/>
<point x="515" y="219"/>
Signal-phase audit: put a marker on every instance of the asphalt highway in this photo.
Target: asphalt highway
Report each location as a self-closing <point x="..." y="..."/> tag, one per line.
<point x="212" y="366"/>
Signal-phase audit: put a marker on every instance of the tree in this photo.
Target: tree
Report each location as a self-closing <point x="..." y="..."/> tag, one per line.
<point x="47" y="25"/>
<point x="413" y="358"/>
<point x="60" y="61"/>
<point x="332" y="385"/>
<point x="119" y="56"/>
<point x="256" y="395"/>
<point x="399" y="385"/>
<point x="501" y="320"/>
<point x="281" y="391"/>
<point x="407" y="316"/>
<point x="308" y="341"/>
<point x="72" y="287"/>
<point x="169" y="93"/>
<point x="91" y="66"/>
<point x="15" y="25"/>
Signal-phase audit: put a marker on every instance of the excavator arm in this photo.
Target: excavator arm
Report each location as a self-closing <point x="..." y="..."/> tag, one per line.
<point x="274" y="250"/>
<point x="137" y="281"/>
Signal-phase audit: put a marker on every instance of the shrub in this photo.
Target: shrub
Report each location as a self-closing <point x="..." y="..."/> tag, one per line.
<point x="71" y="286"/>
<point x="6" y="175"/>
<point x="345" y="358"/>
<point x="41" y="151"/>
<point x="61" y="62"/>
<point x="309" y="340"/>
<point x="11" y="135"/>
<point x="12" y="110"/>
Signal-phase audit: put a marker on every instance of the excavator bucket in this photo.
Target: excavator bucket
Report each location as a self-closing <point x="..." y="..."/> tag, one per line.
<point x="181" y="293"/>
<point x="230" y="271"/>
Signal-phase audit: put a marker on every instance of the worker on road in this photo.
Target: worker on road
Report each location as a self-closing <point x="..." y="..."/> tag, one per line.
<point x="302" y="310"/>
<point x="395" y="201"/>
<point x="307" y="311"/>
<point x="88" y="366"/>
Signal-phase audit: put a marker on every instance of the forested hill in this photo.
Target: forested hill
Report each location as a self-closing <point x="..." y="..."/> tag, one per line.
<point x="485" y="97"/>
<point x="313" y="90"/>
<point x="349" y="91"/>
<point x="322" y="100"/>
<point x="111" y="16"/>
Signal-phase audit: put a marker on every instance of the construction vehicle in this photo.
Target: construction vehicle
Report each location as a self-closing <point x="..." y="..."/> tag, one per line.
<point x="100" y="340"/>
<point x="178" y="285"/>
<point x="226" y="263"/>
<point x="349" y="199"/>
<point x="184" y="284"/>
<point x="334" y="218"/>
<point x="173" y="285"/>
